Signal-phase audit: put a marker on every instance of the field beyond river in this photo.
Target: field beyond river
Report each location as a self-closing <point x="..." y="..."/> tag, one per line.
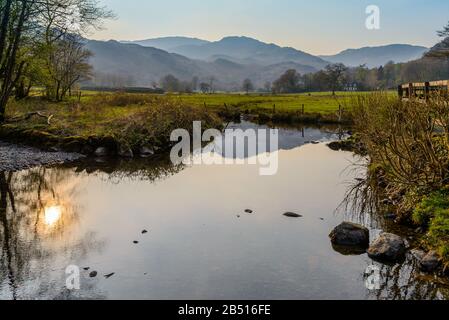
<point x="128" y="124"/>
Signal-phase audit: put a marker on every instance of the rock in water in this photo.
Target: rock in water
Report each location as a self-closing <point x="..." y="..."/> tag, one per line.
<point x="387" y="247"/>
<point x="292" y="215"/>
<point x="101" y="152"/>
<point x="418" y="254"/>
<point x="125" y="151"/>
<point x="350" y="234"/>
<point x="146" y="152"/>
<point x="93" y="274"/>
<point x="248" y="211"/>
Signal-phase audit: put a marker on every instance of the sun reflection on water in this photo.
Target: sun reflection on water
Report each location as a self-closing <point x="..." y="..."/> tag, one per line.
<point x="52" y="215"/>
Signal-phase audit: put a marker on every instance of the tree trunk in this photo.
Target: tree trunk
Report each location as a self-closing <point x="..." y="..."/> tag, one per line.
<point x="4" y="27"/>
<point x="8" y="78"/>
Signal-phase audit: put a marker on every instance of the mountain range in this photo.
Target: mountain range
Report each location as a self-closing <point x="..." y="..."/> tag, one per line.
<point x="378" y="56"/>
<point x="228" y="61"/>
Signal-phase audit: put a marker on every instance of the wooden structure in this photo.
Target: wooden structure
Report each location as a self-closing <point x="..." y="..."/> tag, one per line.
<point x="423" y="90"/>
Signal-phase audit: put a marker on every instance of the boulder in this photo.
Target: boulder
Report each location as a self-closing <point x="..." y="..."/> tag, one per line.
<point x="101" y="152"/>
<point x="125" y="151"/>
<point x="146" y="152"/>
<point x="292" y="215"/>
<point x="387" y="247"/>
<point x="350" y="234"/>
<point x="430" y="262"/>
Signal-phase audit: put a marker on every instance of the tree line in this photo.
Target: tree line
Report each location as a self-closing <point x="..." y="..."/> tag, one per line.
<point x="434" y="65"/>
<point x="42" y="44"/>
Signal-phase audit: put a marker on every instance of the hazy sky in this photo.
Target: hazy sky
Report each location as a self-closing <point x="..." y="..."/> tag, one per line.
<point x="318" y="26"/>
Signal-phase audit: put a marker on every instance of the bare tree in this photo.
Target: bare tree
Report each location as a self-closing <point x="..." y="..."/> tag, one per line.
<point x="247" y="86"/>
<point x="68" y="64"/>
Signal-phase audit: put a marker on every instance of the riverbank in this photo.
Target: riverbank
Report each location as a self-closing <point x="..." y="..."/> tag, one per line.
<point x="15" y="157"/>
<point x="408" y="167"/>
<point x="103" y="125"/>
<point x="130" y="125"/>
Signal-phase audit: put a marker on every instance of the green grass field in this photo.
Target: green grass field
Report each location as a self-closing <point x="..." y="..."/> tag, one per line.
<point x="322" y="102"/>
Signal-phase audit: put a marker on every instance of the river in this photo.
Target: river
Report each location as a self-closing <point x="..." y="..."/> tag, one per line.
<point x="150" y="230"/>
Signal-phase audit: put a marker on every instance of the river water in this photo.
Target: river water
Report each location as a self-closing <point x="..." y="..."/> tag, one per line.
<point x="200" y="243"/>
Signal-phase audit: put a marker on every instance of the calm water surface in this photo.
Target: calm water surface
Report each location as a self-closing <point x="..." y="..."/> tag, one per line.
<point x="200" y="243"/>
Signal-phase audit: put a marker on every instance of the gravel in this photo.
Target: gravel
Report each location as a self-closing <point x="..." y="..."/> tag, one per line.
<point x="16" y="157"/>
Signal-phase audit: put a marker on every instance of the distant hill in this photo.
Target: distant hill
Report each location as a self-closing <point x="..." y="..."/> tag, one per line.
<point x="249" y="51"/>
<point x="378" y="56"/>
<point x="229" y="61"/>
<point x="137" y="64"/>
<point x="168" y="43"/>
<point x="126" y="64"/>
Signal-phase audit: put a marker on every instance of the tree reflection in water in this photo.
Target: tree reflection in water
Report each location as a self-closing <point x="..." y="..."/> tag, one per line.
<point x="39" y="217"/>
<point x="38" y="227"/>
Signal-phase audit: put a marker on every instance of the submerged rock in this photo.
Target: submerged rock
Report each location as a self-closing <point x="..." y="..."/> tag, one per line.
<point x="93" y="274"/>
<point x="292" y="215"/>
<point x="146" y="152"/>
<point x="349" y="250"/>
<point x="350" y="234"/>
<point x="387" y="247"/>
<point x="101" y="152"/>
<point x="125" y="151"/>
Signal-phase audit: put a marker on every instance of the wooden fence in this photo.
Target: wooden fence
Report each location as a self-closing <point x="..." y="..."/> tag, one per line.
<point x="423" y="90"/>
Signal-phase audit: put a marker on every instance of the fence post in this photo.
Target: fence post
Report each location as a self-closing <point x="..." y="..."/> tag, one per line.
<point x="410" y="90"/>
<point x="400" y="92"/>
<point x="427" y="91"/>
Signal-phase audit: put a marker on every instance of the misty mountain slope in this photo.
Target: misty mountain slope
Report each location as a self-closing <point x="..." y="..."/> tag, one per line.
<point x="142" y="64"/>
<point x="378" y="56"/>
<point x="247" y="50"/>
<point x="273" y="72"/>
<point x="168" y="43"/>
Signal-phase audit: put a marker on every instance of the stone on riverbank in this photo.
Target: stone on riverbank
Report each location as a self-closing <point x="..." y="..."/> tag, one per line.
<point x="387" y="247"/>
<point x="350" y="234"/>
<point x="428" y="262"/>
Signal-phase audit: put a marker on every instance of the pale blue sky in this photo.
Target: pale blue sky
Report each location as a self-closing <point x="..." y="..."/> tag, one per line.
<point x="318" y="26"/>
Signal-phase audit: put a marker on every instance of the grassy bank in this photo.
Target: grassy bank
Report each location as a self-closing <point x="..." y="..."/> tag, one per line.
<point x="408" y="146"/>
<point x="125" y="123"/>
<point x="318" y="102"/>
<point x="118" y="122"/>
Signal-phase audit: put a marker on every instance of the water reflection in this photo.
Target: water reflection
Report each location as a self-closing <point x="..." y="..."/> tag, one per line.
<point x="31" y="229"/>
<point x="52" y="215"/>
<point x="200" y="244"/>
<point x="404" y="281"/>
